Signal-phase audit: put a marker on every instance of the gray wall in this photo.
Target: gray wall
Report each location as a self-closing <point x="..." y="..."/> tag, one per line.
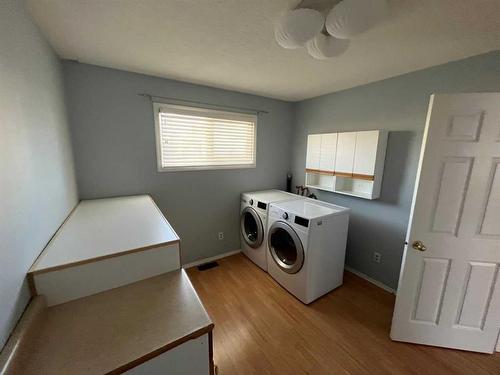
<point x="37" y="182"/>
<point x="114" y="142"/>
<point x="400" y="106"/>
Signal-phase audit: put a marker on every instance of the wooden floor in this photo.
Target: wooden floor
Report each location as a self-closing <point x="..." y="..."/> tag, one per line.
<point x="261" y="329"/>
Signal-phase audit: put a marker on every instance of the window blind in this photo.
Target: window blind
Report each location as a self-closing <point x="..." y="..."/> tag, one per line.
<point x="195" y="138"/>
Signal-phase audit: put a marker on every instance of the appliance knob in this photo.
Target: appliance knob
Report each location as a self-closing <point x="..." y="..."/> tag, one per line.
<point x="285" y="215"/>
<point x="251" y="202"/>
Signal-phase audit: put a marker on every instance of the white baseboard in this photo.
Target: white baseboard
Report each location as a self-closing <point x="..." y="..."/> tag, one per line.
<point x="373" y="281"/>
<point x="210" y="259"/>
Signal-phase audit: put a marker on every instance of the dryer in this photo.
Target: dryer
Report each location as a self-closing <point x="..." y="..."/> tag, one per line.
<point x="253" y="222"/>
<point x="306" y="241"/>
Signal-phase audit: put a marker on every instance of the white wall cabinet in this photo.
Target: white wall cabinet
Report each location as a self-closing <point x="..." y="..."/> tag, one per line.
<point x="349" y="163"/>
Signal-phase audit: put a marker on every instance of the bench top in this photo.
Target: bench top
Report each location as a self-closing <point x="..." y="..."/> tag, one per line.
<point x="102" y="228"/>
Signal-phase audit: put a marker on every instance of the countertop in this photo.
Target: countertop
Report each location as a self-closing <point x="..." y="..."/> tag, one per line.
<point x="90" y="232"/>
<point x="115" y="330"/>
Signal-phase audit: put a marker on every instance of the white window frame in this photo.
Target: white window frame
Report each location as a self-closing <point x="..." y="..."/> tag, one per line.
<point x="207" y="112"/>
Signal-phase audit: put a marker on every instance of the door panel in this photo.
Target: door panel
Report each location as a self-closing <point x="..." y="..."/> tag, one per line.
<point x="449" y="293"/>
<point x="346" y="146"/>
<point x="478" y="290"/>
<point x="328" y="152"/>
<point x="453" y="185"/>
<point x="366" y="152"/>
<point x="313" y="151"/>
<point x="431" y="290"/>
<point x="491" y="215"/>
<point x="465" y="127"/>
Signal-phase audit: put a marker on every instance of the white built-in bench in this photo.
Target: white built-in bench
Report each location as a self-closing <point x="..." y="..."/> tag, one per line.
<point x="104" y="244"/>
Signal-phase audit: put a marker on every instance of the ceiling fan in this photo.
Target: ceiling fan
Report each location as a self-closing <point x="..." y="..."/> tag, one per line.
<point x="325" y="28"/>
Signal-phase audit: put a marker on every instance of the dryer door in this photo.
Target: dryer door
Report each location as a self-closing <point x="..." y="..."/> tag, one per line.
<point x="285" y="247"/>
<point x="251" y="226"/>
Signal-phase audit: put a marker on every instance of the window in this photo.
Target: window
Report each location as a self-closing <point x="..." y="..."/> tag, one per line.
<point x="190" y="138"/>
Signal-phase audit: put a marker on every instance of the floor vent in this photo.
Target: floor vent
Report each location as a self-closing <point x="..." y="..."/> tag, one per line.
<point x="207" y="266"/>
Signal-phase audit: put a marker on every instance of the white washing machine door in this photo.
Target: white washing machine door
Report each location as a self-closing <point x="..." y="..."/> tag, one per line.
<point x="285" y="247"/>
<point x="251" y="227"/>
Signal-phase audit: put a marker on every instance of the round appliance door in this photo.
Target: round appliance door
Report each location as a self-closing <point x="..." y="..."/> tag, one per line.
<point x="285" y="247"/>
<point x="252" y="229"/>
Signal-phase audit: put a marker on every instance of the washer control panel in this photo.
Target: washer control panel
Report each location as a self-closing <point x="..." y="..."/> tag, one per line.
<point x="260" y="207"/>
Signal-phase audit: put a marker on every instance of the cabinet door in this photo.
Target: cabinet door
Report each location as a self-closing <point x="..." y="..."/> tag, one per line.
<point x="191" y="357"/>
<point x="328" y="152"/>
<point x="346" y="145"/>
<point x="366" y="152"/>
<point x="313" y="151"/>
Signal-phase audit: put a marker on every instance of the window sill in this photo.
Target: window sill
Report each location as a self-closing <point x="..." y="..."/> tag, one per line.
<point x="205" y="168"/>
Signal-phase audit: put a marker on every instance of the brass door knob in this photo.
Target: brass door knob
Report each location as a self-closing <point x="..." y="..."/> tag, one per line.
<point x="418" y="245"/>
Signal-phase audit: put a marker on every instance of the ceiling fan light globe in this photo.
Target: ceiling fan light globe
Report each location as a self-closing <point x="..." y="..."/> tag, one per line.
<point x="296" y="27"/>
<point x="324" y="47"/>
<point x="350" y="18"/>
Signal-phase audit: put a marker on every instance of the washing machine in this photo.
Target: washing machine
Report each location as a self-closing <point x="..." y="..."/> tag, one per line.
<point x="253" y="222"/>
<point x="306" y="241"/>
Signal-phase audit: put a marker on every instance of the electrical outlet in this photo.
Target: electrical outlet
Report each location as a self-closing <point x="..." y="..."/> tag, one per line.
<point x="221" y="235"/>
<point x="377" y="257"/>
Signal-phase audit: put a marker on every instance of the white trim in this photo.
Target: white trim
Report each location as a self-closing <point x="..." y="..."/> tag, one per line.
<point x="206" y="168"/>
<point x="67" y="284"/>
<point x="210" y="259"/>
<point x="373" y="281"/>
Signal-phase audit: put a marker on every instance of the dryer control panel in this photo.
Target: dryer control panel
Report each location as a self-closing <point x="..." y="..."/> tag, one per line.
<point x="289" y="217"/>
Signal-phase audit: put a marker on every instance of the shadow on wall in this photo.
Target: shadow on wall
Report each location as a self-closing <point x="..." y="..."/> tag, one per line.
<point x="396" y="161"/>
<point x="380" y="225"/>
<point x="383" y="226"/>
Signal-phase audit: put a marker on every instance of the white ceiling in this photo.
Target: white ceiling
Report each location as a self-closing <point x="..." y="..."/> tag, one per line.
<point x="230" y="43"/>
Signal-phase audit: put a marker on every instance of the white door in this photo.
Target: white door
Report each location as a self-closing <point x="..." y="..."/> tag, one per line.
<point x="346" y="145"/>
<point x="449" y="289"/>
<point x="328" y="152"/>
<point x="313" y="151"/>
